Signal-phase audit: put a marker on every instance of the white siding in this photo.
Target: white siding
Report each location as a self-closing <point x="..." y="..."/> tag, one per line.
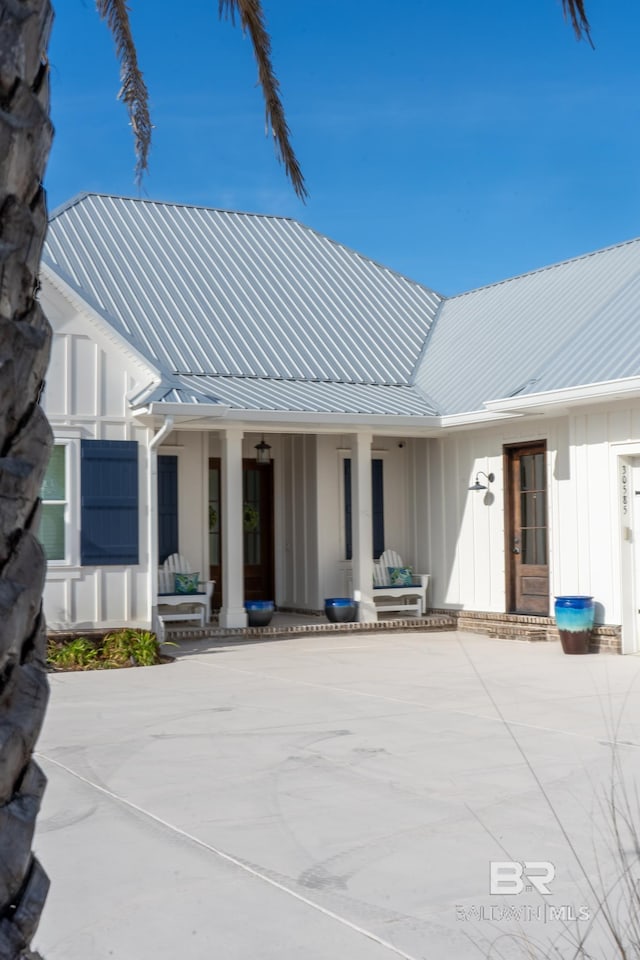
<point x="431" y="517"/>
<point x="192" y="451"/>
<point x="88" y="380"/>
<point x="299" y="506"/>
<point x="466" y="529"/>
<point x="404" y="504"/>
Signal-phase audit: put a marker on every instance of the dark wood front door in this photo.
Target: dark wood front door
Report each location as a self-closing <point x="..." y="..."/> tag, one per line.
<point x="257" y="524"/>
<point x="526" y="529"/>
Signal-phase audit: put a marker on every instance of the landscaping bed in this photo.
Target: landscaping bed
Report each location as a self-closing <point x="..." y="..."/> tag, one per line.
<point x="104" y="651"/>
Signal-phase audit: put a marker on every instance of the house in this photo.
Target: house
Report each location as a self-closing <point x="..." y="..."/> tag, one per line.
<point x="188" y="340"/>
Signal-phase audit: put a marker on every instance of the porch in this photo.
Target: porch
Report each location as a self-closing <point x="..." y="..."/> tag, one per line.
<point x="306" y="524"/>
<point x="295" y="623"/>
<point x="604" y="639"/>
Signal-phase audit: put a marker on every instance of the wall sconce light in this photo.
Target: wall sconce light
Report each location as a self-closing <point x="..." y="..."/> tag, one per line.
<point x="263" y="452"/>
<point x="489" y="477"/>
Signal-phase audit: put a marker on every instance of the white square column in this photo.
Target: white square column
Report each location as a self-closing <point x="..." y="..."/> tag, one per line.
<point x="362" y="525"/>
<point x="232" y="613"/>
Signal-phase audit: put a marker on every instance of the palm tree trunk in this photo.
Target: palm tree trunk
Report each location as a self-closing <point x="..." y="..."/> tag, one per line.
<point x="25" y="442"/>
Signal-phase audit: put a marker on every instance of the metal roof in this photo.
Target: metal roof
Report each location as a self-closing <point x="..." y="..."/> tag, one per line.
<point x="263" y="313"/>
<point x="572" y="323"/>
<point x="246" y="393"/>
<point x="211" y="292"/>
<point x="605" y="348"/>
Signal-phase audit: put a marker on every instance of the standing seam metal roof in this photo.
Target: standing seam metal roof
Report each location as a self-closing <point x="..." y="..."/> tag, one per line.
<point x="263" y="313"/>
<point x="246" y="393"/>
<point x="210" y="292"/>
<point x="572" y="323"/>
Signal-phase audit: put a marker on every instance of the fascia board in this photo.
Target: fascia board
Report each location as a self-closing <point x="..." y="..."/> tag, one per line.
<point x="335" y="419"/>
<point x="105" y="330"/>
<point x="476" y="418"/>
<point x="188" y="411"/>
<point x="569" y="396"/>
<point x="294" y="419"/>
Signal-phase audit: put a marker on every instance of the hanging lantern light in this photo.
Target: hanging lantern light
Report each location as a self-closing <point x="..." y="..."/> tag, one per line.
<point x="263" y="452"/>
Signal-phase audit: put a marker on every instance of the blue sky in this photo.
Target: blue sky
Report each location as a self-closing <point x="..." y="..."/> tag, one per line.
<point x="458" y="143"/>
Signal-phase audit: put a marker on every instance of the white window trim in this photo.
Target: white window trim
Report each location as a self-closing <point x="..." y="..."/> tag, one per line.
<point x="71" y="504"/>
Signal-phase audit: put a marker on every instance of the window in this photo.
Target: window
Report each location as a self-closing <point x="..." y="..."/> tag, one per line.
<point x="377" y="497"/>
<point x="54" y="509"/>
<point x="167" y="507"/>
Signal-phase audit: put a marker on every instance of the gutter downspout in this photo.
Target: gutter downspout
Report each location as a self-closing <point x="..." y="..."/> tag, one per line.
<point x="152" y="517"/>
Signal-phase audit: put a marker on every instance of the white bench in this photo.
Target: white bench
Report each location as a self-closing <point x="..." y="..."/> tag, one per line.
<point x="398" y="599"/>
<point x="174" y="606"/>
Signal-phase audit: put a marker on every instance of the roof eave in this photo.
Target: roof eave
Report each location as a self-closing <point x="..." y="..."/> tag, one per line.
<point x="475" y="418"/>
<point x="553" y="400"/>
<point x="194" y="414"/>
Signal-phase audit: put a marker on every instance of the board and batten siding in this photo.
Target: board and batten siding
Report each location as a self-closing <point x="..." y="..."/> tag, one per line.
<point x="465" y="532"/>
<point x="405" y="497"/>
<point x="296" y="523"/>
<point x="88" y="381"/>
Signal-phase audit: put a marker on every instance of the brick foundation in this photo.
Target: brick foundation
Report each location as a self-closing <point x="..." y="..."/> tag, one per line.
<point x="605" y="638"/>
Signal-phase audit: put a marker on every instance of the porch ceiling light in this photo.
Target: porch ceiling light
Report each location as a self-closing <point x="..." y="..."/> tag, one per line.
<point x="263" y="452"/>
<point x="489" y="477"/>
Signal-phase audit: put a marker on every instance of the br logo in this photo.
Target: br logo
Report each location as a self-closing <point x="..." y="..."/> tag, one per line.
<point x="510" y="877"/>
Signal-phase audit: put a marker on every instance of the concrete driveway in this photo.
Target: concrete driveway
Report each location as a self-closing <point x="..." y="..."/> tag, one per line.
<point x="329" y="797"/>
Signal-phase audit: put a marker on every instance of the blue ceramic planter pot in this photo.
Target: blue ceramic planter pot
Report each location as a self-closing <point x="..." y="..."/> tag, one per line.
<point x="259" y="612"/>
<point x="341" y="609"/>
<point x="574" y="619"/>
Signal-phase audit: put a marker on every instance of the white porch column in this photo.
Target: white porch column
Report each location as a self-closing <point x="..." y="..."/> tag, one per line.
<point x="232" y="613"/>
<point x="362" y="525"/>
<point x="152" y="518"/>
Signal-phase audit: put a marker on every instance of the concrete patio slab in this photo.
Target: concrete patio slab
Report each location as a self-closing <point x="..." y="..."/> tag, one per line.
<point x="329" y="796"/>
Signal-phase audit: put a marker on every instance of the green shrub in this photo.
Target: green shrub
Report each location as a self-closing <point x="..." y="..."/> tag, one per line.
<point x="121" y="648"/>
<point x="137" y="647"/>
<point x="80" y="653"/>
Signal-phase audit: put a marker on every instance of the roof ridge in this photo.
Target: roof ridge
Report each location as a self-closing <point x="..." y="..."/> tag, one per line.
<point x="425" y="344"/>
<point x="375" y="263"/>
<point x="549" y="266"/>
<point x="86" y="194"/>
<point x="257" y="376"/>
<point x="62" y="207"/>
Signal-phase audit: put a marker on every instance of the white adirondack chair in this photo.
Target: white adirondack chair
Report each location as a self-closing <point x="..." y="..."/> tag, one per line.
<point x="174" y="606"/>
<point x="398" y="599"/>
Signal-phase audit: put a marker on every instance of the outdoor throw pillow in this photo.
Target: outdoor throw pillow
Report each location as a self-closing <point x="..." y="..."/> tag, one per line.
<point x="187" y="582"/>
<point x="400" y="576"/>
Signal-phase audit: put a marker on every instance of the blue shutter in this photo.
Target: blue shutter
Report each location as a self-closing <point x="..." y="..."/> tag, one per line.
<point x="377" y="498"/>
<point x="109" y="502"/>
<point x="167" y="507"/>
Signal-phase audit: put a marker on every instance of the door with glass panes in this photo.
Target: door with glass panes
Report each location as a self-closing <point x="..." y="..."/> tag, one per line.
<point x="257" y="530"/>
<point x="526" y="532"/>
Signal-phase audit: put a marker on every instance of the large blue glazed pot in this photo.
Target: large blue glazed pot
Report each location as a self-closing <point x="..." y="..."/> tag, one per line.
<point x="259" y="612"/>
<point x="574" y="619"/>
<point x="341" y="609"/>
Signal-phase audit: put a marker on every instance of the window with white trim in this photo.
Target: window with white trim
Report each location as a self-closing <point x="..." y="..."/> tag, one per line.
<point x="54" y="509"/>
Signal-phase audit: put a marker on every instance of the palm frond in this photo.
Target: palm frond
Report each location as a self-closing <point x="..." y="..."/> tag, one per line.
<point x="133" y="91"/>
<point x="252" y="21"/>
<point x="575" y="10"/>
